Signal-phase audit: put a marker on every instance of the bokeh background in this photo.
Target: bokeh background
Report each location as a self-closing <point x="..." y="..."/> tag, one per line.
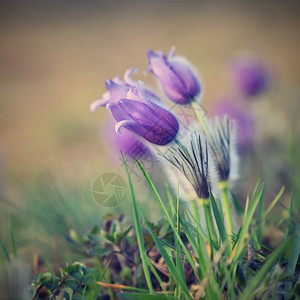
<point x="54" y="58"/>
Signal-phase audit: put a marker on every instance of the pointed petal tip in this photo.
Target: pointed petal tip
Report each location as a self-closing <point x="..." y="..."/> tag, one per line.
<point x="119" y="125"/>
<point x="109" y="83"/>
<point x="150" y="52"/>
<point x="128" y="74"/>
<point x="95" y="104"/>
<point x="171" y="51"/>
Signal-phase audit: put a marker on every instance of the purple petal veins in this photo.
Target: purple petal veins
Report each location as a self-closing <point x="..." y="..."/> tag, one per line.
<point x="176" y="76"/>
<point x="135" y="107"/>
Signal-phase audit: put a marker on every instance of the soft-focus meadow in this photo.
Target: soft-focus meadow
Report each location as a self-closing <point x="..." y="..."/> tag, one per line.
<point x="54" y="58"/>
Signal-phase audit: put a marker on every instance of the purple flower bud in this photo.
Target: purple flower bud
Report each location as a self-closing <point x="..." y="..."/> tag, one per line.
<point x="176" y="76"/>
<point x="250" y="76"/>
<point x="135" y="108"/>
<point x="245" y="122"/>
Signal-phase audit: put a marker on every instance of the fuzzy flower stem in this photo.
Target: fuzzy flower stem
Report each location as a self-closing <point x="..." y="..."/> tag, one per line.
<point x="208" y="218"/>
<point x="199" y="112"/>
<point x="227" y="206"/>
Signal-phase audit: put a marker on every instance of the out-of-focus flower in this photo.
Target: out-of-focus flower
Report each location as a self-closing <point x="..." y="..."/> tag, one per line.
<point x="245" y="122"/>
<point x="176" y="76"/>
<point x="223" y="149"/>
<point x="126" y="141"/>
<point x="250" y="75"/>
<point x="136" y="108"/>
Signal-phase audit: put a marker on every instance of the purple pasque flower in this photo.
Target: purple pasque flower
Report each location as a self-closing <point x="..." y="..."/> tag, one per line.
<point x="250" y="75"/>
<point x="136" y="108"/>
<point x="127" y="142"/>
<point x="176" y="76"/>
<point x="245" y="122"/>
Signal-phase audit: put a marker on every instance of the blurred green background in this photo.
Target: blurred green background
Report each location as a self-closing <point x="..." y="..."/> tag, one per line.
<point x="54" y="58"/>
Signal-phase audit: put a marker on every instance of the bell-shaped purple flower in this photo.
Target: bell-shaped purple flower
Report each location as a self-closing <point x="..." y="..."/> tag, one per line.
<point x="127" y="142"/>
<point x="176" y="76"/>
<point x="136" y="108"/>
<point x="250" y="75"/>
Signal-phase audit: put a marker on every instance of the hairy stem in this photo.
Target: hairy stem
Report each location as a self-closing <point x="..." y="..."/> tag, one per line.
<point x="201" y="117"/>
<point x="227" y="207"/>
<point x="208" y="218"/>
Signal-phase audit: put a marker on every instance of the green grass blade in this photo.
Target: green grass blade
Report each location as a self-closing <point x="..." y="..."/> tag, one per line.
<point x="256" y="186"/>
<point x="156" y="194"/>
<point x="247" y="220"/>
<point x="238" y="208"/>
<point x="260" y="219"/>
<point x="199" y="228"/>
<point x="11" y="236"/>
<point x="261" y="274"/>
<point x="169" y="219"/>
<point x="221" y="226"/>
<point x="293" y="257"/>
<point x="212" y="290"/>
<point x="152" y="268"/>
<point x="104" y="271"/>
<point x="273" y="202"/>
<point x="177" y="245"/>
<point x="4" y="250"/>
<point x="138" y="231"/>
<point x="172" y="268"/>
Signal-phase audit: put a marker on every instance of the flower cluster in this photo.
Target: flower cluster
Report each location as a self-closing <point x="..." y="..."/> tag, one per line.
<point x="203" y="154"/>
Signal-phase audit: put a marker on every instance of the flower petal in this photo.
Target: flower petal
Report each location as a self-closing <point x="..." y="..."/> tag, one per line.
<point x="149" y="133"/>
<point x="128" y="74"/>
<point x="150" y="115"/>
<point x="183" y="68"/>
<point x="145" y="93"/>
<point x="163" y="71"/>
<point x="116" y="91"/>
<point x="117" y="112"/>
<point x="100" y="102"/>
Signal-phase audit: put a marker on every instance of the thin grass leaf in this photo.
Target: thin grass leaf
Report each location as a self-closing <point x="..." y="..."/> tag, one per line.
<point x="260" y="220"/>
<point x="4" y="250"/>
<point x="104" y="271"/>
<point x="271" y="206"/>
<point x="201" y="249"/>
<point x="188" y="234"/>
<point x="11" y="236"/>
<point x="262" y="273"/>
<point x="221" y="226"/>
<point x="256" y="186"/>
<point x="228" y="281"/>
<point x="175" y="273"/>
<point x="169" y="219"/>
<point x="204" y="265"/>
<point x="247" y="220"/>
<point x="212" y="288"/>
<point x="238" y="208"/>
<point x="177" y="245"/>
<point x="293" y="257"/>
<point x="139" y="231"/>
<point x="152" y="268"/>
<point x="198" y="229"/>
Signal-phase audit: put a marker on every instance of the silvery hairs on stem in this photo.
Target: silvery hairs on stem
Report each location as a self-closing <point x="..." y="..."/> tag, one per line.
<point x="222" y="146"/>
<point x="191" y="163"/>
